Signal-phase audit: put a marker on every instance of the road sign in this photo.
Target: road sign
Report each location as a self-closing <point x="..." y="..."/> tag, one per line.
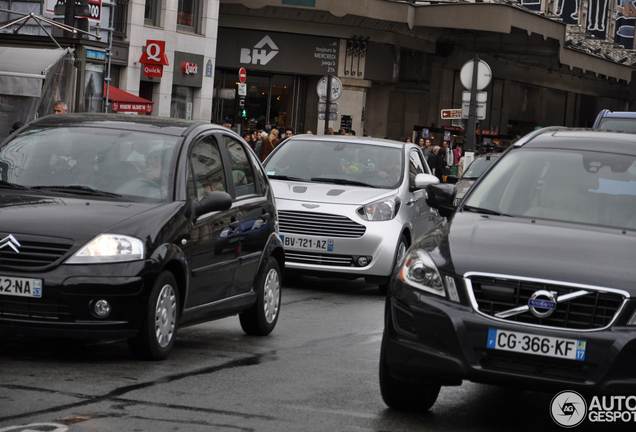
<point x="332" y="116"/>
<point x="322" y="107"/>
<point x="242" y="75"/>
<point x="451" y="114"/>
<point x="242" y="90"/>
<point x="336" y="88"/>
<point x="480" y="110"/>
<point x="480" y="96"/>
<point x="484" y="74"/>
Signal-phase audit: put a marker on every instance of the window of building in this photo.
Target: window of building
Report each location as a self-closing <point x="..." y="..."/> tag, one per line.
<point x="152" y="13"/>
<point x="189" y="15"/>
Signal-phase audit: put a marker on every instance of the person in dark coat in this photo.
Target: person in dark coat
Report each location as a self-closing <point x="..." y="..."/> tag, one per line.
<point x="441" y="169"/>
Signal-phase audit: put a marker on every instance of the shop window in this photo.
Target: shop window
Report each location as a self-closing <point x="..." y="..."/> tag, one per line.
<point x="189" y="15"/>
<point x="181" y="104"/>
<point x="152" y="13"/>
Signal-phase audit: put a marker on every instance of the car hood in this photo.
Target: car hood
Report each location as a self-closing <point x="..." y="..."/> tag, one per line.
<point x="65" y="217"/>
<point x="327" y="192"/>
<point x="540" y="249"/>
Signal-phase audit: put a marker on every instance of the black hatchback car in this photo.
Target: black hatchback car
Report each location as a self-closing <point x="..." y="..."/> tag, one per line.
<point x="530" y="283"/>
<point x="128" y="227"/>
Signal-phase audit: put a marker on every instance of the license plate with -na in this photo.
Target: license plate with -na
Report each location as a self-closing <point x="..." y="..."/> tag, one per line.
<point x="21" y="287"/>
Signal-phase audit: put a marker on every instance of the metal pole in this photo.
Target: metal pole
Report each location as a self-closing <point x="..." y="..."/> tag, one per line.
<point x="472" y="111"/>
<point x="327" y="107"/>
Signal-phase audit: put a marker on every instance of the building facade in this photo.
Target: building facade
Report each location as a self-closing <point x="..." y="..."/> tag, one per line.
<point x="399" y="63"/>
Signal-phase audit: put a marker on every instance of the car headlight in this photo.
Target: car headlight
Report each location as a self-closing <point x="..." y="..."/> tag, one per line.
<point x="419" y="271"/>
<point x="108" y="248"/>
<point x="384" y="209"/>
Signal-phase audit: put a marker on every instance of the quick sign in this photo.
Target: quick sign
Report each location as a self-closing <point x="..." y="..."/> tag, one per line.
<point x="189" y="68"/>
<point x="153" y="71"/>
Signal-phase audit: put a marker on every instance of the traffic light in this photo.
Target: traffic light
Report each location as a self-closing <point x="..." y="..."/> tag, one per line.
<point x="242" y="103"/>
<point x="243" y="113"/>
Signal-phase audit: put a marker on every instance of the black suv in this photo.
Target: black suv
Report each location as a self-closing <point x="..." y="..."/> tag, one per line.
<point x="117" y="226"/>
<point x="530" y="282"/>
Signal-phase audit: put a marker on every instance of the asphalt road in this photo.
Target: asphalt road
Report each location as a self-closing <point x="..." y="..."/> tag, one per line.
<point x="316" y="372"/>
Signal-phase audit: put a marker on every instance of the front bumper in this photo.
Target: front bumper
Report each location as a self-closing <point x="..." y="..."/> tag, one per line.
<point x="428" y="336"/>
<point x="68" y="293"/>
<point x="378" y="244"/>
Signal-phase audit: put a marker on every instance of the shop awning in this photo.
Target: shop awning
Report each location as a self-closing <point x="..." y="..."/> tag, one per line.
<point x="122" y="101"/>
<point x="22" y="70"/>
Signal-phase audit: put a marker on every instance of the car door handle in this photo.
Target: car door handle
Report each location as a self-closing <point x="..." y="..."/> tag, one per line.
<point x="234" y="224"/>
<point x="411" y="202"/>
<point x="265" y="216"/>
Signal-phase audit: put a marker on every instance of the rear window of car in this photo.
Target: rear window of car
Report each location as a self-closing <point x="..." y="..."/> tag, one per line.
<point x="618" y="124"/>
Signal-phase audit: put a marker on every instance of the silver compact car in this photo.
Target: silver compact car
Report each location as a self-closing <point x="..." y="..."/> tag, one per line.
<point x="349" y="207"/>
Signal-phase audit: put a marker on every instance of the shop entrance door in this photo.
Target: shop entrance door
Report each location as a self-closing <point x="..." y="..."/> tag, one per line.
<point x="278" y="100"/>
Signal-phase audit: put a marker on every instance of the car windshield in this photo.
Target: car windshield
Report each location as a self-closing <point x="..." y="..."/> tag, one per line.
<point x="478" y="166"/>
<point x="575" y="186"/>
<point x="346" y="162"/>
<point x="618" y="124"/>
<point x="84" y="160"/>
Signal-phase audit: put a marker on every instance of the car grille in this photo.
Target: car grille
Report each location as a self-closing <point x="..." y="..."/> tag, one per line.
<point x="535" y="366"/>
<point x="319" y="224"/>
<point x="35" y="253"/>
<point x="319" y="259"/>
<point x="595" y="310"/>
<point x="34" y="309"/>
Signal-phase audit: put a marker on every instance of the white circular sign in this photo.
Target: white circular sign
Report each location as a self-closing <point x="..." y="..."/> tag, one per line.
<point x="484" y="75"/>
<point x="568" y="409"/>
<point x="336" y="88"/>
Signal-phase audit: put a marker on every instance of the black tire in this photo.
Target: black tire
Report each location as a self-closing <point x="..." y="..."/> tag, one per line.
<point x="261" y="318"/>
<point x="400" y="251"/>
<point x="405" y="396"/>
<point x="158" y="332"/>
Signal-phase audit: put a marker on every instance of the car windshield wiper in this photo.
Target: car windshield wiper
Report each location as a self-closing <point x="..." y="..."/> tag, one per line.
<point x="483" y="210"/>
<point x="341" y="181"/>
<point x="79" y="189"/>
<point x="7" y="184"/>
<point x="284" y="177"/>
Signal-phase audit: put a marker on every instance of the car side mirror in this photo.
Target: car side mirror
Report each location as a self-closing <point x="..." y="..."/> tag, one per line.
<point x="441" y="197"/>
<point x="423" y="180"/>
<point x="213" y="201"/>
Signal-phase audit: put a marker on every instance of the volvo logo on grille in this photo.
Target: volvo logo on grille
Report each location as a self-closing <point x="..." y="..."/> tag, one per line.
<point x="11" y="242"/>
<point x="543" y="303"/>
<point x="310" y="206"/>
